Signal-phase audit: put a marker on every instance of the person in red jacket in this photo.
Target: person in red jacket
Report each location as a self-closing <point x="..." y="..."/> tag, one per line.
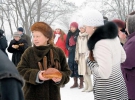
<point x="60" y="40"/>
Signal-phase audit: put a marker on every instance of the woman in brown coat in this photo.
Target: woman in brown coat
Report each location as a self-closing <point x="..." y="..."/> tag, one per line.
<point x="41" y="60"/>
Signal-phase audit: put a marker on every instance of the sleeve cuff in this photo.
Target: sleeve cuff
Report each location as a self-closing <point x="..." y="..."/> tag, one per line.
<point x="37" y="79"/>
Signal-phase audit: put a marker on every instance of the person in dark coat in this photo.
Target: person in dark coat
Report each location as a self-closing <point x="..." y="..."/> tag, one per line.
<point x="10" y="81"/>
<point x="40" y="60"/>
<point x="17" y="46"/>
<point x="121" y="30"/>
<point x="24" y="36"/>
<point x="3" y="42"/>
<point x="71" y="46"/>
<point x="128" y="67"/>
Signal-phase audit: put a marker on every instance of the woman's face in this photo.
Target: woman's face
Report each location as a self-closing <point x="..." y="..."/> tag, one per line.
<point x="90" y="30"/>
<point x="72" y="29"/>
<point x="39" y="39"/>
<point x="82" y="29"/>
<point x="17" y="38"/>
<point x="57" y="31"/>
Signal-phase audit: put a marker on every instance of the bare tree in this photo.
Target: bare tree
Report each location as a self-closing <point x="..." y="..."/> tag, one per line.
<point x="6" y="10"/>
<point x="118" y="8"/>
<point x="112" y="8"/>
<point x="26" y="12"/>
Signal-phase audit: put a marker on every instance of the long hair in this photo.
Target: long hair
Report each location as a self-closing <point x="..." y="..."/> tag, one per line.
<point x="62" y="35"/>
<point x="131" y="24"/>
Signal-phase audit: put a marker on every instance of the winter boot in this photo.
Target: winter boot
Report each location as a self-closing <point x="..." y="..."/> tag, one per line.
<point x="90" y="87"/>
<point x="75" y="83"/>
<point x="86" y="84"/>
<point x="81" y="83"/>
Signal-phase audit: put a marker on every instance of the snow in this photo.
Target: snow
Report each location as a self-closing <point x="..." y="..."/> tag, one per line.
<point x="71" y="94"/>
<point x="75" y="94"/>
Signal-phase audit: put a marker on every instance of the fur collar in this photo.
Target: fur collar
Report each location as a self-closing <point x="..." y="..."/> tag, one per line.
<point x="41" y="51"/>
<point x="83" y="34"/>
<point x="107" y="31"/>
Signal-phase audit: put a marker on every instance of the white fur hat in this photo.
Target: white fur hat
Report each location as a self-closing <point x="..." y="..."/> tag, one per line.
<point x="92" y="17"/>
<point x="58" y="26"/>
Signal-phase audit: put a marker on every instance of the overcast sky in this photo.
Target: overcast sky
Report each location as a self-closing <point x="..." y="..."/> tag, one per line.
<point x="77" y="2"/>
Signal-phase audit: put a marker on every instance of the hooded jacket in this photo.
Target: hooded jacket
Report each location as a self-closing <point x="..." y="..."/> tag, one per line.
<point x="10" y="80"/>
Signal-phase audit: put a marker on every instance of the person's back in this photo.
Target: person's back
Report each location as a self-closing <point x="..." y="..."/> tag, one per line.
<point x="115" y="50"/>
<point x="108" y="55"/>
<point x="10" y="80"/>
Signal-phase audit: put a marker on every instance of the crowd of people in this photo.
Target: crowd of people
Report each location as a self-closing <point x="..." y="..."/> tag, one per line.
<point x="93" y="46"/>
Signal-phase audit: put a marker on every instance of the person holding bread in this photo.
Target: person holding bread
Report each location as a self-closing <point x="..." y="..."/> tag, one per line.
<point x="43" y="66"/>
<point x="17" y="47"/>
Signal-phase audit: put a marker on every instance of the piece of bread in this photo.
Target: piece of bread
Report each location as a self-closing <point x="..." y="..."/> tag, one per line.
<point x="52" y="75"/>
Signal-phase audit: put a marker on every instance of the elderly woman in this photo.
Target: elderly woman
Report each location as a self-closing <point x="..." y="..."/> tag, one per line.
<point x="128" y="67"/>
<point x="43" y="67"/>
<point x="105" y="57"/>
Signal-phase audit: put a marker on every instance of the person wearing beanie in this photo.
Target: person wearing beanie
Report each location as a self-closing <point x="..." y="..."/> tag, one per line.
<point x="81" y="54"/>
<point x="3" y="42"/>
<point x="24" y="36"/>
<point x="43" y="66"/>
<point x="60" y="39"/>
<point x="71" y="45"/>
<point x="121" y="30"/>
<point x="128" y="67"/>
<point x="106" y="55"/>
<point x="17" y="46"/>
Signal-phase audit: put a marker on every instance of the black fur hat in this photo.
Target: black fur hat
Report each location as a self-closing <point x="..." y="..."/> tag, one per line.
<point x="107" y="31"/>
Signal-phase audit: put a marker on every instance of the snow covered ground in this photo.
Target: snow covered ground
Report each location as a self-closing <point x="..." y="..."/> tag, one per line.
<point x="75" y="94"/>
<point x="72" y="94"/>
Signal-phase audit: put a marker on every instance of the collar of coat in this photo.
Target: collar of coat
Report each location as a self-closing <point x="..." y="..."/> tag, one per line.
<point x="73" y="33"/>
<point x="107" y="31"/>
<point x="131" y="35"/>
<point x="41" y="51"/>
<point x="83" y="34"/>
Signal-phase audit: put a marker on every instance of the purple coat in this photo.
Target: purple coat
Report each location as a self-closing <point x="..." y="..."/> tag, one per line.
<point x="128" y="67"/>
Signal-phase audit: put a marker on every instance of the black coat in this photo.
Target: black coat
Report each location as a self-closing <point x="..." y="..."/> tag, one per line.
<point x="17" y="53"/>
<point x="3" y="43"/>
<point x="71" y="58"/>
<point x="10" y="81"/>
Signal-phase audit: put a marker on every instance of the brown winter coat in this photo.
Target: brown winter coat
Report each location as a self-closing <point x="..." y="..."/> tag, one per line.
<point x="28" y="68"/>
